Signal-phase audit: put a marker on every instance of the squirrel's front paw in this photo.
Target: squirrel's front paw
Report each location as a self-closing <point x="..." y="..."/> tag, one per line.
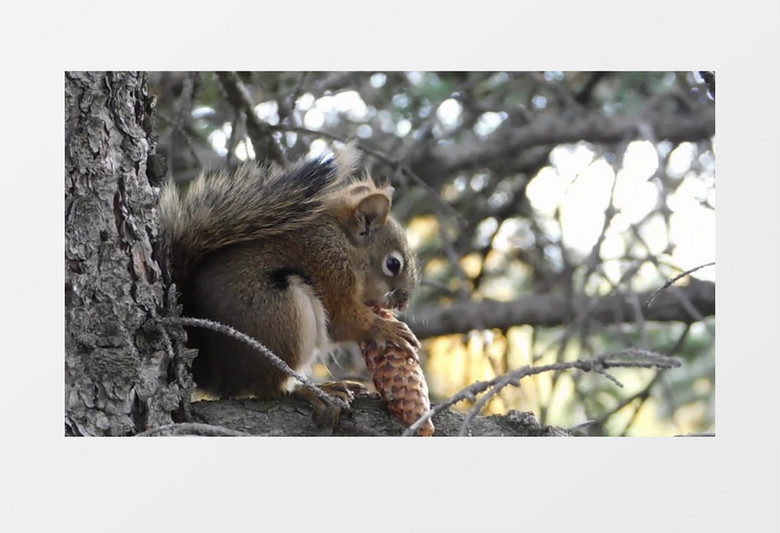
<point x="392" y="330"/>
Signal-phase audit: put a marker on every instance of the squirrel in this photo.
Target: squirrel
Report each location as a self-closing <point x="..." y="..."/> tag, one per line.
<point x="300" y="258"/>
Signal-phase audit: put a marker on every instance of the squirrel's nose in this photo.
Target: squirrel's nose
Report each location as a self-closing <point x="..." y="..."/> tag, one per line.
<point x="401" y="299"/>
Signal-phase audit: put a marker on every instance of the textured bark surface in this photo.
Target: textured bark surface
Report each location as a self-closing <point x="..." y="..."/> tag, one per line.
<point x="369" y="416"/>
<point x="120" y="374"/>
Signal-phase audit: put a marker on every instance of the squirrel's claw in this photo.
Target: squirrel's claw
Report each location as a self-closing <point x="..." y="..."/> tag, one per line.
<point x="346" y="390"/>
<point x="327" y="417"/>
<point x="393" y="331"/>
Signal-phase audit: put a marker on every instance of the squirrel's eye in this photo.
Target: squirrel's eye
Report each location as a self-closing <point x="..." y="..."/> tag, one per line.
<point x="393" y="264"/>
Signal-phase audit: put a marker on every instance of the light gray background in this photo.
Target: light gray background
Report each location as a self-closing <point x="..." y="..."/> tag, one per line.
<point x="353" y="484"/>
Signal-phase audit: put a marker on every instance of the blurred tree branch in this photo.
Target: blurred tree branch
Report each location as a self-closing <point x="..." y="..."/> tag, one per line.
<point x="263" y="142"/>
<point x="709" y="78"/>
<point x="556" y="309"/>
<point x="438" y="166"/>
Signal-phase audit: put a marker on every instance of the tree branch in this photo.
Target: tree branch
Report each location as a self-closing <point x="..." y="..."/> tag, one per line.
<point x="553" y="310"/>
<point x="368" y="416"/>
<point x="444" y="160"/>
<point x="263" y="142"/>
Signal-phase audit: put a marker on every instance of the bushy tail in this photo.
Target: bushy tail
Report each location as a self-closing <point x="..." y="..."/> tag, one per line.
<point x="255" y="201"/>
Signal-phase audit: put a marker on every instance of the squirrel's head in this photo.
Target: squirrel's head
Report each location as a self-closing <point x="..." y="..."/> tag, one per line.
<point x="387" y="267"/>
<point x="392" y="269"/>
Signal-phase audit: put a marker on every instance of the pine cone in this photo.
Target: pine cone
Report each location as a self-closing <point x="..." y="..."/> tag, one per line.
<point x="400" y="382"/>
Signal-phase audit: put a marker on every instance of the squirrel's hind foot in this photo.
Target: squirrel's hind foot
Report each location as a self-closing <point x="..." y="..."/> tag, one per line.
<point x="327" y="416"/>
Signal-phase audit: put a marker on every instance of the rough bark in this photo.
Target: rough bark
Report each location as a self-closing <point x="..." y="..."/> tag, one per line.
<point x="368" y="417"/>
<point x="120" y="373"/>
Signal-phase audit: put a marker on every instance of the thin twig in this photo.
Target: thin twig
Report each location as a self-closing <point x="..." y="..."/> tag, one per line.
<point x="482" y="402"/>
<point x="433" y="193"/>
<point x="268" y="354"/>
<point x="259" y="130"/>
<point x="381" y="156"/>
<point x="579" y="427"/>
<point x="333" y="137"/>
<point x="597" y="364"/>
<point x="671" y="281"/>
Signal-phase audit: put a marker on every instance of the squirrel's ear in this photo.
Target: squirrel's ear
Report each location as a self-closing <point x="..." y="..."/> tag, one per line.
<point x="375" y="206"/>
<point x="370" y="212"/>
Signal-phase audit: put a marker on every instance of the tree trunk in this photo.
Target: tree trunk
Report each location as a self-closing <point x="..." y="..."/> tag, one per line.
<point x="121" y="374"/>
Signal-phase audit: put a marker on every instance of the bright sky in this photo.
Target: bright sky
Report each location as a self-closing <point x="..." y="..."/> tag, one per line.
<point x="580" y="182"/>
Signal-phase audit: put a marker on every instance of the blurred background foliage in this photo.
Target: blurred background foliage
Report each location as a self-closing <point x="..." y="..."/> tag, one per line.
<point x="545" y="208"/>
